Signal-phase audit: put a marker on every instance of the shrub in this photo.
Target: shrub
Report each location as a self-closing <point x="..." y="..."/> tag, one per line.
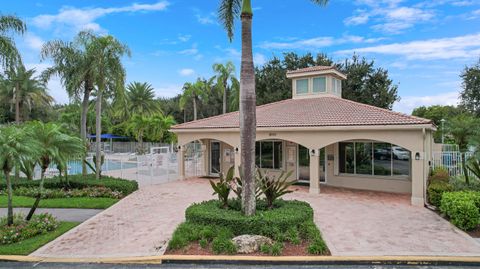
<point x="79" y="182"/>
<point x="440" y="173"/>
<point x="21" y="229"/>
<point x="462" y="208"/>
<point x="203" y="243"/>
<point x="435" y="191"/>
<point x="293" y="236"/>
<point x="265" y="249"/>
<point x="458" y="184"/>
<point x="318" y="247"/>
<point x="223" y="187"/>
<point x="63" y="193"/>
<point x="276" y="249"/>
<point x="222" y="245"/>
<point x="273" y="188"/>
<point x="285" y="215"/>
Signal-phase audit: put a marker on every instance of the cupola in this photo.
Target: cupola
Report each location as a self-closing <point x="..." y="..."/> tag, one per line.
<point x="316" y="81"/>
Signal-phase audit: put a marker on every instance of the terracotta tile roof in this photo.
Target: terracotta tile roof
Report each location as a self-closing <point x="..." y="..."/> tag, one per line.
<point x="311" y="112"/>
<point x="312" y="69"/>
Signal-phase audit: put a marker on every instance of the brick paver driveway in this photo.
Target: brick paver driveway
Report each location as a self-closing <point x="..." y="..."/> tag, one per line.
<point x="352" y="223"/>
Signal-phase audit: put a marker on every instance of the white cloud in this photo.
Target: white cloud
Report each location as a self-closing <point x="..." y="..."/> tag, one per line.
<point x="191" y="51"/>
<point x="186" y="72"/>
<point x="84" y="18"/>
<point x="168" y="90"/>
<point x="466" y="46"/>
<point x="259" y="59"/>
<point x="318" y="42"/>
<point x="408" y="103"/>
<point x="209" y="18"/>
<point x="54" y="85"/>
<point x="184" y="38"/>
<point x="33" y="41"/>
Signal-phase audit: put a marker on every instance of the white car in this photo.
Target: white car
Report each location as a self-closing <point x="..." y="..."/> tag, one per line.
<point x="400" y="153"/>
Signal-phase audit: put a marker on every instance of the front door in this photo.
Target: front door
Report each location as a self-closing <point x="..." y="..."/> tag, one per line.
<point x="215" y="157"/>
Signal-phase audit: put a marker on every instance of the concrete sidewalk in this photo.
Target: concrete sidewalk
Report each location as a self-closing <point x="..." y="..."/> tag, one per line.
<point x="63" y="214"/>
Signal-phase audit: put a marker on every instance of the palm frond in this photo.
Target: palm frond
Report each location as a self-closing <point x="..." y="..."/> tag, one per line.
<point x="228" y="12"/>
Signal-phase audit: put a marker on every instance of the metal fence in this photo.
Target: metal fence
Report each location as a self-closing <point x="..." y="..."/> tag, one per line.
<point x="125" y="147"/>
<point x="452" y="161"/>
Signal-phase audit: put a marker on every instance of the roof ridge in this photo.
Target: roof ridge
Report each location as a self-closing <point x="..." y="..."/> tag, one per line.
<point x="384" y="109"/>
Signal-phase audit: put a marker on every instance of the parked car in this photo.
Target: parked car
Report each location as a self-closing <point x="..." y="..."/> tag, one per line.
<point x="400" y="153"/>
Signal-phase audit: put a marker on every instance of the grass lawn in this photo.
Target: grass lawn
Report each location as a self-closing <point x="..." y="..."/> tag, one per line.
<point x="73" y="202"/>
<point x="29" y="245"/>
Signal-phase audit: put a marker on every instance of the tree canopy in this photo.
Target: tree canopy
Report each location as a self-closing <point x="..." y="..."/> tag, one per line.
<point x="470" y="95"/>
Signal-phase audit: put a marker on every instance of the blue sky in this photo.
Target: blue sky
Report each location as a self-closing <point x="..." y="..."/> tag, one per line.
<point x="423" y="44"/>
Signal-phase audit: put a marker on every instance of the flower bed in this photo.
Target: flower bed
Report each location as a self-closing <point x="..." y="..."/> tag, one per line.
<point x="93" y="192"/>
<point x="21" y="229"/>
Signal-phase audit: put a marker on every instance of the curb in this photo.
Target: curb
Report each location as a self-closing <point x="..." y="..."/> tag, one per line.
<point x="249" y="260"/>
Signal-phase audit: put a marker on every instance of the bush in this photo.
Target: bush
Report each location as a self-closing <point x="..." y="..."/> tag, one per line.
<point x="435" y="191"/>
<point x="458" y="183"/>
<point x="462" y="208"/>
<point x="63" y="193"/>
<point x="21" y="229"/>
<point x="318" y="247"/>
<point x="79" y="182"/>
<point x="222" y="245"/>
<point x="439" y="174"/>
<point x="285" y="214"/>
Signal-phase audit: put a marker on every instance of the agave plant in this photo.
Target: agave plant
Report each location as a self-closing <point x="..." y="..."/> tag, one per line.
<point x="223" y="187"/>
<point x="274" y="188"/>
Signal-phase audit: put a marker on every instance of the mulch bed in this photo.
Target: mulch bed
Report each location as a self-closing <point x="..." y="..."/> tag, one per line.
<point x="475" y="233"/>
<point x="288" y="250"/>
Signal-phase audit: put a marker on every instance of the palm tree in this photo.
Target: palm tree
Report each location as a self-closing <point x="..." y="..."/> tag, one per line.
<point x="55" y="146"/>
<point x="160" y="126"/>
<point x="228" y="12"/>
<point x="17" y="146"/>
<point x="235" y="95"/>
<point x="109" y="77"/>
<point x="225" y="73"/>
<point x="141" y="99"/>
<point x="73" y="63"/>
<point x="194" y="92"/>
<point x="23" y="90"/>
<point x="137" y="126"/>
<point x="8" y="51"/>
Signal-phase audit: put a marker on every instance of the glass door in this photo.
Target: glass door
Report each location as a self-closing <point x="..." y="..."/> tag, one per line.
<point x="215" y="156"/>
<point x="303" y="163"/>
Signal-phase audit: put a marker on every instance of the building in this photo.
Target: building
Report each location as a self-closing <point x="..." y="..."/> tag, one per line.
<point x="324" y="139"/>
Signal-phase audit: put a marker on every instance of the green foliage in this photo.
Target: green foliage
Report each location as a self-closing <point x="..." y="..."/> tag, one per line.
<point x="458" y="183"/>
<point x="80" y="182"/>
<point x="92" y="192"/>
<point x="71" y="202"/>
<point x="440" y="173"/>
<point x="293" y="236"/>
<point x="21" y="229"/>
<point x="436" y="113"/>
<point x="435" y="191"/>
<point x="273" y="188"/>
<point x="462" y="208"/>
<point x="203" y="243"/>
<point x="308" y="230"/>
<point x="223" y="187"/>
<point x="473" y="166"/>
<point x="286" y="214"/>
<point x="276" y="249"/>
<point x="223" y="245"/>
<point x="318" y="247"/>
<point x="470" y="95"/>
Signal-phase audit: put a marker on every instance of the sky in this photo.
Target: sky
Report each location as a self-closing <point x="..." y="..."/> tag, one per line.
<point x="423" y="44"/>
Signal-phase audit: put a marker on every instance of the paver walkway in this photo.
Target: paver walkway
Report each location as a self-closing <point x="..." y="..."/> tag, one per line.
<point x="63" y="214"/>
<point x="352" y="223"/>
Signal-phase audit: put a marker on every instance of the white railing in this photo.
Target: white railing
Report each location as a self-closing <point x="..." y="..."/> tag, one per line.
<point x="452" y="161"/>
<point x="125" y="147"/>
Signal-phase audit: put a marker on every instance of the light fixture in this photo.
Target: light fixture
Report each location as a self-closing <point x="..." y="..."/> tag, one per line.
<point x="236" y="150"/>
<point x="312" y="152"/>
<point x="417" y="156"/>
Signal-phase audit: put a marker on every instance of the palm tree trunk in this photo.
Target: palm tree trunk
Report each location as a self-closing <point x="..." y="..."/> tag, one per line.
<point x="17" y="103"/>
<point x="39" y="196"/>
<point x="83" y="122"/>
<point x="247" y="114"/>
<point x="194" y="109"/>
<point x="140" y="142"/>
<point x="9" y="198"/>
<point x="465" y="170"/>
<point x="225" y="97"/>
<point x="98" y="133"/>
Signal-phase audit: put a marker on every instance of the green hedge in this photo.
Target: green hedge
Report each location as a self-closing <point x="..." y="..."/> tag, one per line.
<point x="462" y="208"/>
<point x="285" y="215"/>
<point x="79" y="182"/>
<point x="435" y="191"/>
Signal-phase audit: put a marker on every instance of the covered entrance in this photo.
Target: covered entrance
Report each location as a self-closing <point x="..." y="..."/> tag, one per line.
<point x="303" y="173"/>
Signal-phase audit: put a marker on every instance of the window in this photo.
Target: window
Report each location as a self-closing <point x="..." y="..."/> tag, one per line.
<point x="319" y="84"/>
<point x="336" y="85"/>
<point x="269" y="154"/>
<point x="373" y="158"/>
<point x="302" y="86"/>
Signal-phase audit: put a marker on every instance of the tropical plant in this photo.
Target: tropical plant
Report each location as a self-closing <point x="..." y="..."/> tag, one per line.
<point x="141" y="99"/>
<point x="17" y="145"/>
<point x="24" y="91"/>
<point x="137" y="126"/>
<point x="224" y="74"/>
<point x="108" y="76"/>
<point x="55" y="147"/>
<point x="462" y="128"/>
<point x="273" y="188"/>
<point x="8" y="51"/>
<point x="194" y="92"/>
<point x="223" y="187"/>
<point x="474" y="167"/>
<point x="228" y="12"/>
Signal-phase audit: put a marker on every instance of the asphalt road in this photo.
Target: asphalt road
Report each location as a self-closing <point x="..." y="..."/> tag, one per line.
<point x="62" y="214"/>
<point x="22" y="265"/>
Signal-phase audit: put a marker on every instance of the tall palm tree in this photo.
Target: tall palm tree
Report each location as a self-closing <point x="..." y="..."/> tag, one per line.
<point x="194" y="92"/>
<point x="228" y="12"/>
<point x="74" y="64"/>
<point x="24" y="91"/>
<point x="138" y="126"/>
<point x="54" y="146"/>
<point x="8" y="51"/>
<point x="109" y="77"/>
<point x="159" y="129"/>
<point x="224" y="74"/>
<point x="141" y="99"/>
<point x="235" y="95"/>
<point x="17" y="146"/>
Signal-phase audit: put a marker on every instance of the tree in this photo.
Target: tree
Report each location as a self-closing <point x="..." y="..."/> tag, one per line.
<point x="108" y="77"/>
<point x="54" y="146"/>
<point x="470" y="95"/>
<point x="8" y="51"/>
<point x="463" y="128"/>
<point x="436" y="113"/>
<point x="224" y="74"/>
<point x="194" y="93"/>
<point x="17" y="145"/>
<point x="74" y="64"/>
<point x="141" y="99"/>
<point x="368" y="85"/>
<point x="24" y="92"/>
<point x="137" y="126"/>
<point x="230" y="10"/>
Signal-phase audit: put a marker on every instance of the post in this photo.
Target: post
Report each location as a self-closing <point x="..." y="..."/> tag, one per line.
<point x="418" y="177"/>
<point x="181" y="163"/>
<point x="237" y="161"/>
<point x="314" y="172"/>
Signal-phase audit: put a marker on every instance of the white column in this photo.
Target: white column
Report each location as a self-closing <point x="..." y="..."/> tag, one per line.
<point x="418" y="176"/>
<point x="314" y="173"/>
<point x="181" y="163"/>
<point x="238" y="160"/>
